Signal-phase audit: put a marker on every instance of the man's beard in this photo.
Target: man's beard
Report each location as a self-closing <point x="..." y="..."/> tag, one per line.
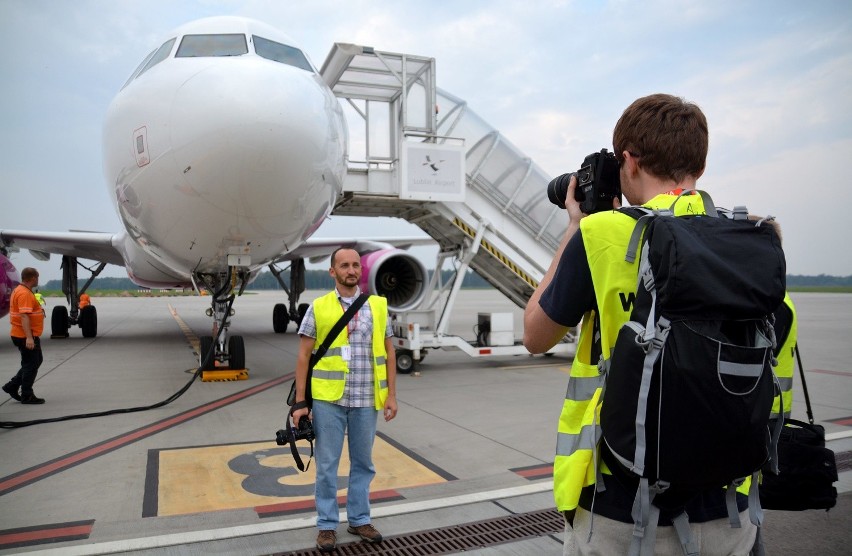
<point x="345" y="280"/>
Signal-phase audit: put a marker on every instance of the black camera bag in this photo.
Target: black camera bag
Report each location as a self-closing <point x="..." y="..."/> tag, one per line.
<point x="806" y="468"/>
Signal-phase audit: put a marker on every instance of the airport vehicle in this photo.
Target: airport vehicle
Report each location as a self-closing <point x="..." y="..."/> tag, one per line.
<point x="213" y="182"/>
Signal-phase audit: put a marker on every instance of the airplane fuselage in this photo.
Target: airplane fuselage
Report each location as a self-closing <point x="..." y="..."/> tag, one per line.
<point x="216" y="155"/>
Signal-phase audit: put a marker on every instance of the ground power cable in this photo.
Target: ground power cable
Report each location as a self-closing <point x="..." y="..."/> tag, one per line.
<point x="203" y="365"/>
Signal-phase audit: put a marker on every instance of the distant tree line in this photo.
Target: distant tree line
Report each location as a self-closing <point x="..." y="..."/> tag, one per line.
<point x="820" y="280"/>
<point x="314" y="280"/>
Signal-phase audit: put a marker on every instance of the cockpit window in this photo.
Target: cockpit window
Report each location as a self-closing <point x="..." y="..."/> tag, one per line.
<point x="152" y="60"/>
<point x="212" y="45"/>
<point x="281" y="53"/>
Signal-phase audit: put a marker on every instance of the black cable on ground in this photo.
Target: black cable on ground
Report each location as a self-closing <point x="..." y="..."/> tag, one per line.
<point x="204" y="363"/>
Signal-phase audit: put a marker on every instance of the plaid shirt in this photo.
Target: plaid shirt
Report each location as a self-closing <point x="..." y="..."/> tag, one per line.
<point x="359" y="389"/>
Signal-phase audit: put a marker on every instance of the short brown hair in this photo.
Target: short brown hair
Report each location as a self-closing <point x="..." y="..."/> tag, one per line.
<point x="668" y="135"/>
<point x="28" y="274"/>
<point x="336" y="251"/>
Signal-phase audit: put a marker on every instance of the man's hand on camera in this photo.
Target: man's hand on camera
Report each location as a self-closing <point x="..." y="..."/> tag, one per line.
<point x="571" y="205"/>
<point x="299" y="413"/>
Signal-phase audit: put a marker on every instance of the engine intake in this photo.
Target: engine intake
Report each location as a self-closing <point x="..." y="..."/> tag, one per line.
<point x="396" y="275"/>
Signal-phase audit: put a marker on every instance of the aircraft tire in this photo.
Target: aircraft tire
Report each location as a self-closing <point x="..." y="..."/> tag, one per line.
<point x="205" y="344"/>
<point x="302" y="309"/>
<point x="89" y="321"/>
<point x="280" y="319"/>
<point x="59" y="322"/>
<point x="404" y="361"/>
<point x="237" y="351"/>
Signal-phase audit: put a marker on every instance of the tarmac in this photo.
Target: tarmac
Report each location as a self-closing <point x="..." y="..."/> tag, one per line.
<point x="466" y="465"/>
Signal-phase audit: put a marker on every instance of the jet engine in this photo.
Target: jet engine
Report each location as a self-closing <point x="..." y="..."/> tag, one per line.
<point x="396" y="275"/>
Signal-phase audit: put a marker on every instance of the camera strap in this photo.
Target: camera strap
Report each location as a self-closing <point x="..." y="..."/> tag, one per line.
<point x="291" y="433"/>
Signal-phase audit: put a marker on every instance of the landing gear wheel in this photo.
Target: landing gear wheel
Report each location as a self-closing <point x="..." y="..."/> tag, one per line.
<point x="89" y="321"/>
<point x="404" y="361"/>
<point x="280" y="318"/>
<point x="237" y="351"/>
<point x="302" y="309"/>
<point x="205" y="346"/>
<point x="59" y="322"/>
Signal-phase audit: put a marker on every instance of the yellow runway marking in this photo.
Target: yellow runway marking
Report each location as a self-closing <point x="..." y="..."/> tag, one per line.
<point x="238" y="476"/>
<point x="187" y="331"/>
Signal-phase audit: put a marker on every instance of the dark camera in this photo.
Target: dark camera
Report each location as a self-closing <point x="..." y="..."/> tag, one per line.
<point x="305" y="431"/>
<point x="598" y="183"/>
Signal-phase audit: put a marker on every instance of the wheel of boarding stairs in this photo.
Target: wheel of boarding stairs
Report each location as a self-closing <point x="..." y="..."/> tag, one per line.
<point x="404" y="361"/>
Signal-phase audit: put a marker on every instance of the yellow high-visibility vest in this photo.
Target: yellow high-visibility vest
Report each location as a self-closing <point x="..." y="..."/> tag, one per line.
<point x="329" y="375"/>
<point x="784" y="370"/>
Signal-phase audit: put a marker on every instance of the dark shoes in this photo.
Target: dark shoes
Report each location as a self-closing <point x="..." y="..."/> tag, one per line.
<point x="31" y="399"/>
<point x="326" y="541"/>
<point x="366" y="532"/>
<point x="12" y="391"/>
<point x="26" y="398"/>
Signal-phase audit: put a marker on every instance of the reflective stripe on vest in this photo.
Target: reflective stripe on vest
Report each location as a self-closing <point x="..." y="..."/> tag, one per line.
<point x="328" y="381"/>
<point x="605" y="239"/>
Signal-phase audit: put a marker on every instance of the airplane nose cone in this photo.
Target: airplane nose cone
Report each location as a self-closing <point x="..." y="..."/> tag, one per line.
<point x="262" y="145"/>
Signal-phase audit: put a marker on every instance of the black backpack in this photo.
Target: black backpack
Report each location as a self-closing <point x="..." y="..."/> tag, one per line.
<point x="689" y="387"/>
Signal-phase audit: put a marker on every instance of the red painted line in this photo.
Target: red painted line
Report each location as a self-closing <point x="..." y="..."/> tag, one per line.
<point x="826" y="372"/>
<point x="535" y="473"/>
<point x="845" y="421"/>
<point x="308" y="504"/>
<point x="15" y="538"/>
<point x="38" y="472"/>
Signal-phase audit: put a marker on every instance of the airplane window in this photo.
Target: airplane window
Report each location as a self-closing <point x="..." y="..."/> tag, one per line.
<point x="161" y="54"/>
<point x="281" y="53"/>
<point x="152" y="59"/>
<point x="212" y="45"/>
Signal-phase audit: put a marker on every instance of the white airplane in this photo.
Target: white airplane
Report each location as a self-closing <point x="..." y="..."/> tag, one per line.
<point x="223" y="153"/>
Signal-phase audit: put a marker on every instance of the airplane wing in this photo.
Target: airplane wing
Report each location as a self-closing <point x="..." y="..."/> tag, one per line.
<point x="98" y="246"/>
<point x="316" y="249"/>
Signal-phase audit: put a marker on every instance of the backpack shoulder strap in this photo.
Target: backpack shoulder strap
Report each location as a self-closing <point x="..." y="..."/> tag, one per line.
<point x="642" y="215"/>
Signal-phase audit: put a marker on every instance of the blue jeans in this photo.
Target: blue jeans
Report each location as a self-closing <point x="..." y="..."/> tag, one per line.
<point x="330" y="422"/>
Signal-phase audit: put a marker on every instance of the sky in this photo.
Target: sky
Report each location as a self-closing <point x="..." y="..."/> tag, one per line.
<point x="553" y="76"/>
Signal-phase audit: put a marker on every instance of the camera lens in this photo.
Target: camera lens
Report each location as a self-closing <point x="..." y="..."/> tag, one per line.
<point x="557" y="189"/>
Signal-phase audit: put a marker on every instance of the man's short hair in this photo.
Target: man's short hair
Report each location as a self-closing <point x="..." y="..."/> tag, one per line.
<point x="668" y="135"/>
<point x="28" y="274"/>
<point x="334" y="253"/>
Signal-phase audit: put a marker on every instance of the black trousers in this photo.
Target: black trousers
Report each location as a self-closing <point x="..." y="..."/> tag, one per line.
<point x="30" y="362"/>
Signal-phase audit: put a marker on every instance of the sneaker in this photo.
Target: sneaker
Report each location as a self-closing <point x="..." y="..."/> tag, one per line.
<point x="326" y="541"/>
<point x="12" y="391"/>
<point x="366" y="532"/>
<point x="31" y="399"/>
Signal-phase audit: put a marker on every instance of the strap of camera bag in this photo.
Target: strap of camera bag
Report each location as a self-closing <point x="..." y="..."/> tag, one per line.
<point x="804" y="384"/>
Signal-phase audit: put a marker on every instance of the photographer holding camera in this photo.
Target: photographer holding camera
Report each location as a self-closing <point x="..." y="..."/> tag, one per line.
<point x="660" y="147"/>
<point x="350" y="384"/>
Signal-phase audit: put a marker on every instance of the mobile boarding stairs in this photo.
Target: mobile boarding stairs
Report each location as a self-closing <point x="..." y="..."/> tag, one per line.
<point x="421" y="154"/>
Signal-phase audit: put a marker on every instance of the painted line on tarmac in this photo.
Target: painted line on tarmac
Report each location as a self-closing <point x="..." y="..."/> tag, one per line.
<point x="225" y="533"/>
<point x="49" y="468"/>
